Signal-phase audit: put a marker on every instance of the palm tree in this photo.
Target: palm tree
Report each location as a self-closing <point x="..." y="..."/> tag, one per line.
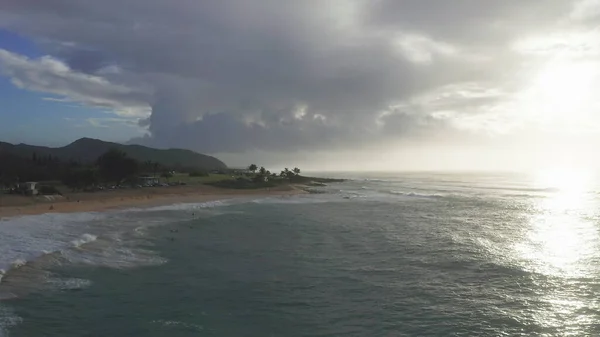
<point x="296" y="171"/>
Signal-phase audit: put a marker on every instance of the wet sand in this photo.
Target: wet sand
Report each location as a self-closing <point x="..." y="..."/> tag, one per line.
<point x="11" y="205"/>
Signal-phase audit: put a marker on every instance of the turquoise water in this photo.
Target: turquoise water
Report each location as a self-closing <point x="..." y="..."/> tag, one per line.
<point x="412" y="255"/>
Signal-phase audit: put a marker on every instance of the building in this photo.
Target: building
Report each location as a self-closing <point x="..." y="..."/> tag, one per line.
<point x="28" y="188"/>
<point x="148" y="181"/>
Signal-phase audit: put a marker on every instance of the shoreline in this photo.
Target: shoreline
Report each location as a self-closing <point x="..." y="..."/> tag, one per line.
<point x="16" y="206"/>
<point x="22" y="276"/>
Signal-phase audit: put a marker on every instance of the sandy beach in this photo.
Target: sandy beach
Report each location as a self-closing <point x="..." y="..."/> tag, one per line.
<point x="11" y="205"/>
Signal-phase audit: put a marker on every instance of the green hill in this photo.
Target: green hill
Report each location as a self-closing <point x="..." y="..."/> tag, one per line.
<point x="87" y="150"/>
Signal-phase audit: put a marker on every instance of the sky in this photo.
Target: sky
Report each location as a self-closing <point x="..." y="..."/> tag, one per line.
<point x="324" y="85"/>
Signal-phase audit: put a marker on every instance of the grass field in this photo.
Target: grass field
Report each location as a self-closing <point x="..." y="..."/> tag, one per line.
<point x="211" y="178"/>
<point x="182" y="177"/>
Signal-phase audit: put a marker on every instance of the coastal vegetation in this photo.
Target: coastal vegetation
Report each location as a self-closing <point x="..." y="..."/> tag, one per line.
<point x="115" y="169"/>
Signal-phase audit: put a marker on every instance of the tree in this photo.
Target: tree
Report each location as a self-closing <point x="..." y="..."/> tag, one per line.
<point x="155" y="167"/>
<point x="252" y="168"/>
<point x="80" y="178"/>
<point x="115" y="166"/>
<point x="262" y="171"/>
<point x="8" y="180"/>
<point x="151" y="166"/>
<point x="286" y="173"/>
<point x="296" y="171"/>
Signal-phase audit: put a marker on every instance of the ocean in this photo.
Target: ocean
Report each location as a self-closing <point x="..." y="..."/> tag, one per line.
<point x="419" y="254"/>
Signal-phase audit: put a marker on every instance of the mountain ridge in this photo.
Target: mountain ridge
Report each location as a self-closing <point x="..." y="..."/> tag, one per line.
<point x="87" y="150"/>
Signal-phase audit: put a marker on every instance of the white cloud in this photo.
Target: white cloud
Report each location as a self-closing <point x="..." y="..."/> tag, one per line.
<point x="50" y="75"/>
<point x="422" y="49"/>
<point x="564" y="43"/>
<point x="585" y="10"/>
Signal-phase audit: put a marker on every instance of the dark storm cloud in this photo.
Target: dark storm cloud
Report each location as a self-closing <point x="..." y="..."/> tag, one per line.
<point x="283" y="75"/>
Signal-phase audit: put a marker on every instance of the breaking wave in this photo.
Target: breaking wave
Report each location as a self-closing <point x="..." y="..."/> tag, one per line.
<point x="85" y="238"/>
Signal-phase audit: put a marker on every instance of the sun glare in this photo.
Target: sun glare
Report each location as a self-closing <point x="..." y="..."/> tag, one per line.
<point x="563" y="180"/>
<point x="563" y="92"/>
<point x="561" y="236"/>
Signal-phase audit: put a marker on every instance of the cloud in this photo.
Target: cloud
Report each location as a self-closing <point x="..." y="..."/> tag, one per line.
<point x="586" y="10"/>
<point x="233" y="75"/>
<point x="108" y="122"/>
<point x="50" y="75"/>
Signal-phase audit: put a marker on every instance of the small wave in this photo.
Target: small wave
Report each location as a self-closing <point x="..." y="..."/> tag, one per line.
<point x="313" y="199"/>
<point x="69" y="283"/>
<point x="18" y="263"/>
<point x="418" y="195"/>
<point x="178" y="324"/>
<point x="189" y="206"/>
<point x="513" y="188"/>
<point x="14" y="265"/>
<point x="85" y="238"/>
<point x="140" y="231"/>
<point x="123" y="256"/>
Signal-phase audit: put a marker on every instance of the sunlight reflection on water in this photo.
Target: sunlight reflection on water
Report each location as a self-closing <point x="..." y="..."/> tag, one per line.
<point x="562" y="238"/>
<point x="561" y="247"/>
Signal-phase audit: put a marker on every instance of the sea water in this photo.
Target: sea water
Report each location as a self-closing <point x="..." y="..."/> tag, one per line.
<point x="379" y="255"/>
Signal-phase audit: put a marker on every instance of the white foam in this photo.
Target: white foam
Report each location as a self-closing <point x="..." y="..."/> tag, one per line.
<point x="29" y="237"/>
<point x="18" y="263"/>
<point x="313" y="199"/>
<point x="190" y="206"/>
<point x="85" y="238"/>
<point x="68" y="283"/>
<point x="418" y="195"/>
<point x="121" y="256"/>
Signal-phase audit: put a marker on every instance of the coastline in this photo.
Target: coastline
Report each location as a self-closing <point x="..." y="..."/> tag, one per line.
<point x="14" y="206"/>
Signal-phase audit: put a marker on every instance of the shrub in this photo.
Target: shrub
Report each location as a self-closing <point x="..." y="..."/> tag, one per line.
<point x="48" y="190"/>
<point x="198" y="174"/>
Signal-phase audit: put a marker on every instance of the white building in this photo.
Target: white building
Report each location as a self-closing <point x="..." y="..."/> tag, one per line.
<point x="28" y="188"/>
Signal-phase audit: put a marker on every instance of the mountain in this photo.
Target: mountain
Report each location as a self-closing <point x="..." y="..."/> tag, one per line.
<point x="87" y="150"/>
